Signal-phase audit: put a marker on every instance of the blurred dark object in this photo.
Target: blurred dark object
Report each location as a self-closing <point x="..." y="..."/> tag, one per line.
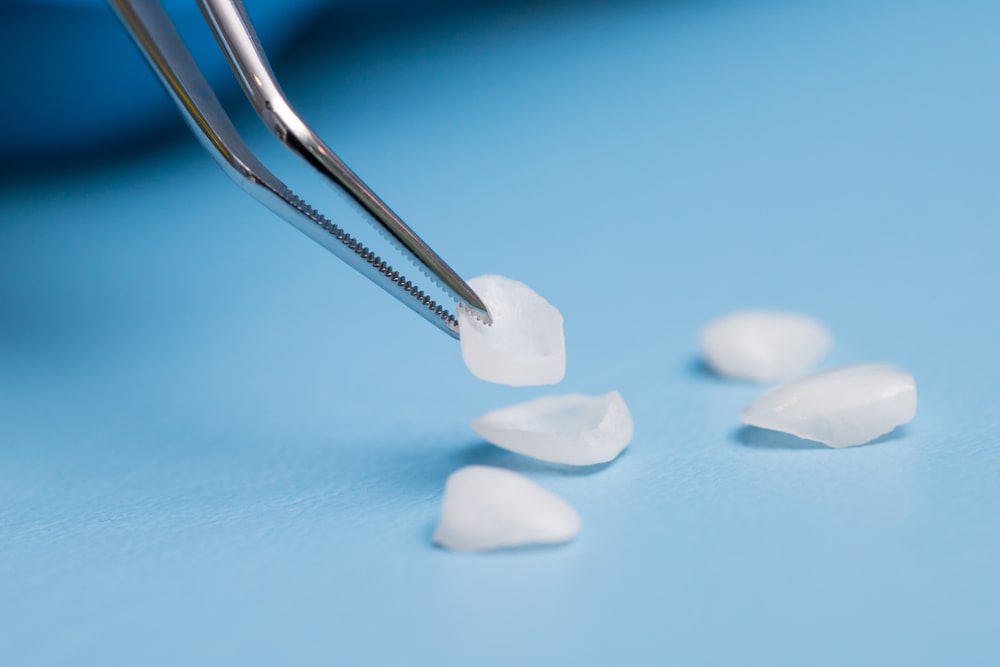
<point x="79" y="85"/>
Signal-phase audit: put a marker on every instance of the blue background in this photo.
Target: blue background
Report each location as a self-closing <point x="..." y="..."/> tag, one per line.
<point x="219" y="446"/>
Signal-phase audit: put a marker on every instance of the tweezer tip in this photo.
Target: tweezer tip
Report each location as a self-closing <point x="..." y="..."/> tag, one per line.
<point x="483" y="315"/>
<point x="474" y="305"/>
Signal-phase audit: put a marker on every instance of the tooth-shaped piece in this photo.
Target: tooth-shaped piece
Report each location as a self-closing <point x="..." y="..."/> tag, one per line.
<point x="524" y="345"/>
<point x="841" y="407"/>
<point x="762" y="345"/>
<point x="488" y="508"/>
<point x="574" y="429"/>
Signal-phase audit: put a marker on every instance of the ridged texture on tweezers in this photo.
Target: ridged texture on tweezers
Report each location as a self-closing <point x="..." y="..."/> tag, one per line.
<point x="372" y="258"/>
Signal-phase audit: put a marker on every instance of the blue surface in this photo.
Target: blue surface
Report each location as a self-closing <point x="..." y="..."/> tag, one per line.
<point x="220" y="447"/>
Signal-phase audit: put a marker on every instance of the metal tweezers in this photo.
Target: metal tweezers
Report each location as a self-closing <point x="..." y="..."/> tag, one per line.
<point x="154" y="33"/>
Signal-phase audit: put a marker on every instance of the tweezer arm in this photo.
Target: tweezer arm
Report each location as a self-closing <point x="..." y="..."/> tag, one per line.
<point x="159" y="42"/>
<point x="238" y="39"/>
<point x="154" y="33"/>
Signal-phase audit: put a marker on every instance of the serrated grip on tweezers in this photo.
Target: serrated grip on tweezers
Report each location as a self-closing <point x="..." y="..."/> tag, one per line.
<point x="159" y="42"/>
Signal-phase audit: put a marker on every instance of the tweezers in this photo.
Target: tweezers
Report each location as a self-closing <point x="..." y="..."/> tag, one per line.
<point x="154" y="33"/>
